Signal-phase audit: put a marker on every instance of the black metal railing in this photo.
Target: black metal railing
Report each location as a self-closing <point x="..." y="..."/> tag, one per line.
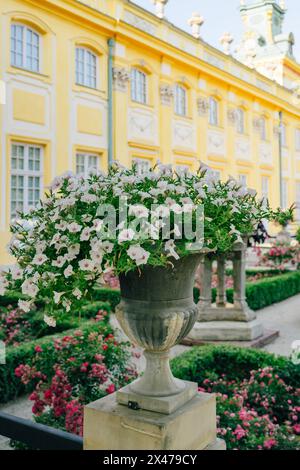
<point x="37" y="436"/>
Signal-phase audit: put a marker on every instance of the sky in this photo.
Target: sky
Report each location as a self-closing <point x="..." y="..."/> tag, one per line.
<point x="221" y="16"/>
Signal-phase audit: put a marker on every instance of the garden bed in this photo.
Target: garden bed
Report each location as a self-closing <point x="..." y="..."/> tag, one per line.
<point x="257" y="397"/>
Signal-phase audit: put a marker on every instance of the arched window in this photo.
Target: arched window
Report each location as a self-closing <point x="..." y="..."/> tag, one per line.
<point x="213" y="111"/>
<point x="25" y="47"/>
<point x="86" y="67"/>
<point x="180" y="100"/>
<point x="138" y="86"/>
<point x="240" y="121"/>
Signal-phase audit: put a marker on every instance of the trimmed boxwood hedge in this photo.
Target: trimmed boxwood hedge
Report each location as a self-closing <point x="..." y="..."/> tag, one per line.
<point x="10" y="385"/>
<point x="235" y="362"/>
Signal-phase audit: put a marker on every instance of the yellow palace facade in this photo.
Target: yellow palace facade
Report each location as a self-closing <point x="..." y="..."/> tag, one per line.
<point x="90" y="81"/>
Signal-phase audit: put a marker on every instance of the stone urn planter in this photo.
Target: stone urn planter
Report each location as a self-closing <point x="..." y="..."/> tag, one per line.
<point x="157" y="311"/>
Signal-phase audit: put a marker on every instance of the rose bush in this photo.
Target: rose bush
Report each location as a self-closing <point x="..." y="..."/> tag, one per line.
<point x="67" y="244"/>
<point x="72" y="371"/>
<point x="261" y="412"/>
<point x="280" y="256"/>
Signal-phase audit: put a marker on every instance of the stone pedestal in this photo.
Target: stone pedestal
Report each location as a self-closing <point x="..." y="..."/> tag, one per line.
<point x="223" y="321"/>
<point x="111" y="426"/>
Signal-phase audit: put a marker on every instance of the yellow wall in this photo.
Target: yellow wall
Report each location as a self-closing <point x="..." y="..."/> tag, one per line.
<point x="50" y="110"/>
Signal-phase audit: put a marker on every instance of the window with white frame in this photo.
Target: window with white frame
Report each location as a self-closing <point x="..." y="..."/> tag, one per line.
<point x="283" y="135"/>
<point x="138" y="86"/>
<point x="298" y="201"/>
<point x="240" y="120"/>
<point x="216" y="174"/>
<point x="180" y="100"/>
<point x="26" y="177"/>
<point x="213" y="111"/>
<point x="263" y="128"/>
<point x="265" y="187"/>
<point x="285" y="196"/>
<point x="297" y="139"/>
<point x="86" y="163"/>
<point x="243" y="179"/>
<point x="142" y="165"/>
<point x="86" y="67"/>
<point x="25" y="47"/>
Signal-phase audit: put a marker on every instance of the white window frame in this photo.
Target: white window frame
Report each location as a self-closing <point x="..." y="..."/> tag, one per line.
<point x="139" y="86"/>
<point x="263" y="128"/>
<point x="240" y="120"/>
<point x="143" y="165"/>
<point x="297" y="140"/>
<point x="213" y="111"/>
<point x="243" y="179"/>
<point x="180" y="100"/>
<point x="87" y="168"/>
<point x="86" y="53"/>
<point x="285" y="194"/>
<point x="284" y="135"/>
<point x="24" y="65"/>
<point x="265" y="187"/>
<point x="26" y="173"/>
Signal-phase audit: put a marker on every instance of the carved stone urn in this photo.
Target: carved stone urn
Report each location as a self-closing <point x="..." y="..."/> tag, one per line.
<point x="157" y="311"/>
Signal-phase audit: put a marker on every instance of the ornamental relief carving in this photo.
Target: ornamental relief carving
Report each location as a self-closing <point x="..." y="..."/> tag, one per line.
<point x="140" y="23"/>
<point x="216" y="143"/>
<point x="202" y="106"/>
<point x="242" y="148"/>
<point x="265" y="152"/>
<point x="231" y="116"/>
<point x="142" y="125"/>
<point x="166" y="94"/>
<point x="121" y="77"/>
<point x="183" y="135"/>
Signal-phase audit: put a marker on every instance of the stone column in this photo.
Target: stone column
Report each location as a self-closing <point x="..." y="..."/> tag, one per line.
<point x="221" y="289"/>
<point x="206" y="279"/>
<point x="239" y="278"/>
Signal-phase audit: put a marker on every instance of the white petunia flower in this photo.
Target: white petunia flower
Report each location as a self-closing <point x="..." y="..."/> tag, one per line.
<point x="68" y="271"/>
<point x="77" y="293"/>
<point x="59" y="262"/>
<point x="138" y="254"/>
<point x="24" y="305"/>
<point x="126" y="235"/>
<point x="29" y="288"/>
<point x="74" y="249"/>
<point x="74" y="227"/>
<point x="39" y="259"/>
<point x="86" y="265"/>
<point x="85" y="234"/>
<point x="138" y="211"/>
<point x="57" y="297"/>
<point x="50" y="321"/>
<point x="16" y="272"/>
<point x="170" y="249"/>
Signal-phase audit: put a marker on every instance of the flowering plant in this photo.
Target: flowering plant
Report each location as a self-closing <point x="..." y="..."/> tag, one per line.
<point x="261" y="412"/>
<point x="124" y="220"/>
<point x="284" y="217"/>
<point x="280" y="255"/>
<point x="74" y="370"/>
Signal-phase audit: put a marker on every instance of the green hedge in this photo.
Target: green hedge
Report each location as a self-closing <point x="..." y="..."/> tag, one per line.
<point x="10" y="385"/>
<point x="265" y="292"/>
<point x="112" y="296"/>
<point x="236" y="363"/>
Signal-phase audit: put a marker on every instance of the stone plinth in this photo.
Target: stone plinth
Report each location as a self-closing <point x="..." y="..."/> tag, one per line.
<point x="110" y="426"/>
<point x="226" y="331"/>
<point x="160" y="404"/>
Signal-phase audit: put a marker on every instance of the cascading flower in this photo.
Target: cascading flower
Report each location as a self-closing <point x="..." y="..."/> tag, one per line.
<point x="78" y="233"/>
